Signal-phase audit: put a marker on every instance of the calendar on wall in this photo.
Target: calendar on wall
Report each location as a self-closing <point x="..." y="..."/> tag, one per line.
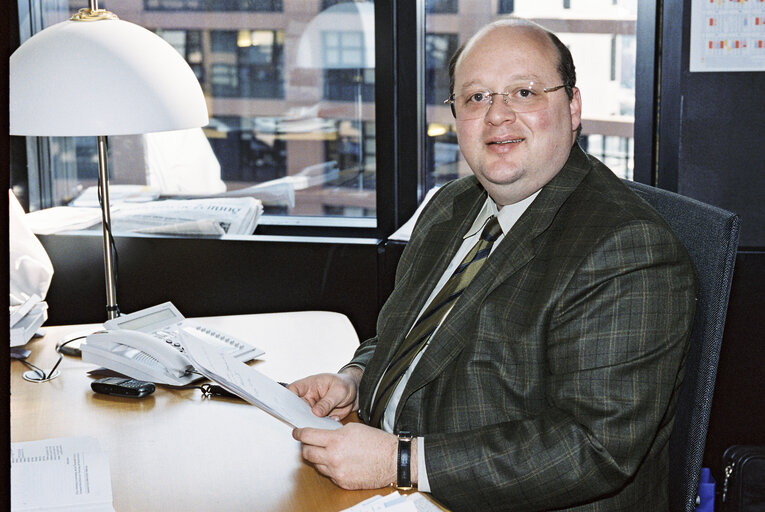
<point x="727" y="35"/>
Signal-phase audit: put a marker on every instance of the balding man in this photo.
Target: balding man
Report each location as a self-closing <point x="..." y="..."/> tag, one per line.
<point x="530" y="355"/>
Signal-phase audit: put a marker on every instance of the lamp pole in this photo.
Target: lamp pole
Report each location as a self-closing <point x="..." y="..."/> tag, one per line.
<point x="112" y="311"/>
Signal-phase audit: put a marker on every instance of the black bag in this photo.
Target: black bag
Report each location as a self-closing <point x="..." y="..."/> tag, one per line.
<point x="744" y="485"/>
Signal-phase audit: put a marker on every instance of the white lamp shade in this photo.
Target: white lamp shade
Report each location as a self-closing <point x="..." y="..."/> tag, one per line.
<point x="105" y="77"/>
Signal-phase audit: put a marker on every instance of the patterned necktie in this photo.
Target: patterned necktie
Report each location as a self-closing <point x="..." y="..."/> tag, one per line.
<point x="420" y="333"/>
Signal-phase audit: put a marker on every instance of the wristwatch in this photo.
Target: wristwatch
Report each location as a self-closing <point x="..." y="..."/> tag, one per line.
<point x="404" y="461"/>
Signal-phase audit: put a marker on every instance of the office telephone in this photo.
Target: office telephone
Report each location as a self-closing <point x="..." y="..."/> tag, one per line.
<point x="146" y="345"/>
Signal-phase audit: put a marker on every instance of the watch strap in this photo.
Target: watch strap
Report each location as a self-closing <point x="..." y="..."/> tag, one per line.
<point x="404" y="461"/>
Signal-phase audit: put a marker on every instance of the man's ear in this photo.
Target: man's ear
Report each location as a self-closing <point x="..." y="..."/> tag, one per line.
<point x="576" y="109"/>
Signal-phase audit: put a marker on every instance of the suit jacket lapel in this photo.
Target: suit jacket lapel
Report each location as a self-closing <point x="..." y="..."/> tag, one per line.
<point x="421" y="277"/>
<point x="513" y="252"/>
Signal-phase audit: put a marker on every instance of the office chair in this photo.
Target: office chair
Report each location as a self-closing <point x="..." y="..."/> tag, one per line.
<point x="710" y="235"/>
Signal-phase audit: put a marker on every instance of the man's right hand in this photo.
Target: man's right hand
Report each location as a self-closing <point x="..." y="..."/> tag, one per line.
<point x="330" y="394"/>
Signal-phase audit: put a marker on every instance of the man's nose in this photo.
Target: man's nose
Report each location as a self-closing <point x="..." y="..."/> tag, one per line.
<point x="499" y="110"/>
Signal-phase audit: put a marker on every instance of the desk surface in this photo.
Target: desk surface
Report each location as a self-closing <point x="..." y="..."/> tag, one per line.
<point x="176" y="450"/>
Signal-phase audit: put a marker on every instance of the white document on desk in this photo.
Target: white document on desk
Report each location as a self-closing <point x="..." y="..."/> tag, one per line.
<point x="251" y="385"/>
<point x="63" y="474"/>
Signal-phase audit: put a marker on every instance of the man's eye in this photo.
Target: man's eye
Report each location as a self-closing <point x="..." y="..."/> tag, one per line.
<point x="477" y="97"/>
<point x="524" y="93"/>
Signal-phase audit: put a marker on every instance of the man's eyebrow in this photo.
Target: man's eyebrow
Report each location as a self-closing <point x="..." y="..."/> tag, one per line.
<point x="512" y="79"/>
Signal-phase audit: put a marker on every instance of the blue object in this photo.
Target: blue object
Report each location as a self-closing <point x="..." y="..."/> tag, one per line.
<point x="706" y="495"/>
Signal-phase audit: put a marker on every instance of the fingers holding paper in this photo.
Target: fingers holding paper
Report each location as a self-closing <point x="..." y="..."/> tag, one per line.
<point x="330" y="394"/>
<point x="355" y="456"/>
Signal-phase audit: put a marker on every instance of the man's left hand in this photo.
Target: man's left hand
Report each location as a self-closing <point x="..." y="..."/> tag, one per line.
<point x="355" y="456"/>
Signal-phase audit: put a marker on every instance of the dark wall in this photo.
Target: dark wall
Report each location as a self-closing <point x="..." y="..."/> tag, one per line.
<point x="205" y="277"/>
<point x="710" y="134"/>
<point x="709" y="139"/>
<point x="738" y="406"/>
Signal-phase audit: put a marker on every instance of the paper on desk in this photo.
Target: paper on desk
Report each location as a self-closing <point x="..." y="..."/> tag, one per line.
<point x="66" y="474"/>
<point x="251" y="385"/>
<point x="395" y="502"/>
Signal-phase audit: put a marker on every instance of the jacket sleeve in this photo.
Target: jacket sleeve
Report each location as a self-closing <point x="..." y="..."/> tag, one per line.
<point x="615" y="345"/>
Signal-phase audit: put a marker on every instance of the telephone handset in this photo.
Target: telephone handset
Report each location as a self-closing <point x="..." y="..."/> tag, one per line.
<point x="145" y="345"/>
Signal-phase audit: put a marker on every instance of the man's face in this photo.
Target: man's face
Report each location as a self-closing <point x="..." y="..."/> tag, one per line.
<point x="515" y="154"/>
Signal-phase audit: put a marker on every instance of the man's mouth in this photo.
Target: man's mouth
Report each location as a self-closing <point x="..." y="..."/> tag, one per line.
<point x="506" y="141"/>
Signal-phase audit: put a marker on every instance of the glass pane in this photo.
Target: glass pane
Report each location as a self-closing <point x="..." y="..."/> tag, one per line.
<point x="601" y="37"/>
<point x="289" y="86"/>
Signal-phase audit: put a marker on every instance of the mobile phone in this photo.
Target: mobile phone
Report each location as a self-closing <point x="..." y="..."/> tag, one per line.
<point x="122" y="386"/>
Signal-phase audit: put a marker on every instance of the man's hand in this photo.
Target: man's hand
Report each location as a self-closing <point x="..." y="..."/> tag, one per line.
<point x="355" y="456"/>
<point x="330" y="394"/>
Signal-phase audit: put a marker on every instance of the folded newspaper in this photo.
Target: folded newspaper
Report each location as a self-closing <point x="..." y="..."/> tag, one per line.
<point x="210" y="216"/>
<point x="220" y="216"/>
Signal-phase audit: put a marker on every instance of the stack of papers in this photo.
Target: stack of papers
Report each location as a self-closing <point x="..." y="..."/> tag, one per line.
<point x="218" y="216"/>
<point x="64" y="474"/>
<point x="26" y="319"/>
<point x="251" y="385"/>
<point x="395" y="502"/>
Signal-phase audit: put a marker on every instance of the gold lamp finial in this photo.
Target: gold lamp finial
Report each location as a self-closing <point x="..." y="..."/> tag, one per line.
<point x="88" y="14"/>
<point x="93" y="13"/>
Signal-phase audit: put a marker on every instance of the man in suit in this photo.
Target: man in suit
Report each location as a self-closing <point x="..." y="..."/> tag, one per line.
<point x="549" y="379"/>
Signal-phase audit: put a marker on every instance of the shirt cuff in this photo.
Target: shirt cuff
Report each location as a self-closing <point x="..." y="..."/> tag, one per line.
<point x="422" y="473"/>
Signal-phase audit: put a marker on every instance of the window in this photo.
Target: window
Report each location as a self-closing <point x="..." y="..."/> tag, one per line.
<point x="247" y="63"/>
<point x="438" y="50"/>
<point x="288" y="96"/>
<point x="602" y="42"/>
<point x="212" y="5"/>
<point x="347" y="76"/>
<point x="505" y="6"/>
<point x="290" y="87"/>
<point x="441" y="6"/>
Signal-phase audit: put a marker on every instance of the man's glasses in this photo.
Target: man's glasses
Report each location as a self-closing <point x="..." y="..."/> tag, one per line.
<point x="521" y="98"/>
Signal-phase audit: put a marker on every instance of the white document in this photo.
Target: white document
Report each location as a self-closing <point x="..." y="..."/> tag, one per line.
<point x="64" y="474"/>
<point x="395" y="502"/>
<point x="251" y="385"/>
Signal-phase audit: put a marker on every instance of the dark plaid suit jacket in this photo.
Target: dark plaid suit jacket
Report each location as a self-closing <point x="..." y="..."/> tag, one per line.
<point x="552" y="383"/>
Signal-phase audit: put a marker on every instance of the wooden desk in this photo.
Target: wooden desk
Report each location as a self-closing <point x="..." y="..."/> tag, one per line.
<point x="175" y="449"/>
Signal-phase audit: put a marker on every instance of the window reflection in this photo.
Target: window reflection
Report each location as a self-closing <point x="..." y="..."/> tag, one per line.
<point x="290" y="90"/>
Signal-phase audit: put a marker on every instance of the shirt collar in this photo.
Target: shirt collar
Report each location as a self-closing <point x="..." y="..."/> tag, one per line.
<point x="507" y="216"/>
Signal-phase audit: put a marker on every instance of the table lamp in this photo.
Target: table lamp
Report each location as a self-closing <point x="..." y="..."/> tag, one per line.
<point x="96" y="75"/>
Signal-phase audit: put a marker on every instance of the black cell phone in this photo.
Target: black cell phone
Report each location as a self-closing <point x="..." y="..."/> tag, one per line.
<point x="121" y="386"/>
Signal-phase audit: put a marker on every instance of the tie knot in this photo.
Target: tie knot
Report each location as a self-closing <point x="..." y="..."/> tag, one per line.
<point x="492" y="230"/>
